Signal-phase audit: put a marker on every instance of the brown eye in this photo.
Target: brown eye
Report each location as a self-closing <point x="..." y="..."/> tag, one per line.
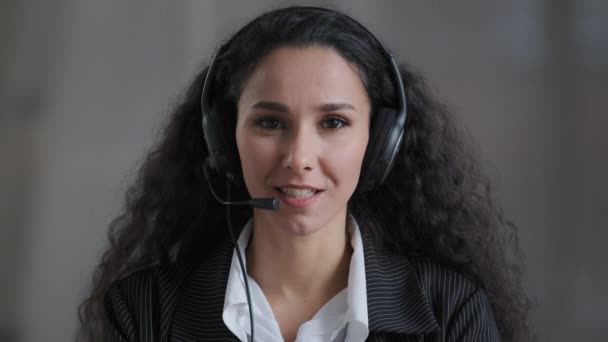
<point x="334" y="123"/>
<point x="268" y="123"/>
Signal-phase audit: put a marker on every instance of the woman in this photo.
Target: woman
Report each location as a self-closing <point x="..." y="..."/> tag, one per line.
<point x="381" y="233"/>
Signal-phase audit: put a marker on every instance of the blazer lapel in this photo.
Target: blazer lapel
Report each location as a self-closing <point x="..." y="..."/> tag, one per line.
<point x="395" y="300"/>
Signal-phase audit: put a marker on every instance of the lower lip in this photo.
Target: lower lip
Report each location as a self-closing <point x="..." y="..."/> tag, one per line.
<point x="299" y="202"/>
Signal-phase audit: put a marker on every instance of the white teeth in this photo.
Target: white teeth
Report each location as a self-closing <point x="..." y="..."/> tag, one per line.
<point x="298" y="193"/>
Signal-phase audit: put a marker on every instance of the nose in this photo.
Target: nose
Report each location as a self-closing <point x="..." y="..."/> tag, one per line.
<point x="301" y="152"/>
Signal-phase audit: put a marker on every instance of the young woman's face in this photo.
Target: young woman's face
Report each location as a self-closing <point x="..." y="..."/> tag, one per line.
<point x="302" y="131"/>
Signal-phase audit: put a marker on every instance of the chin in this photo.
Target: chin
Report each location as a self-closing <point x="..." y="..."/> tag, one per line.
<point x="299" y="224"/>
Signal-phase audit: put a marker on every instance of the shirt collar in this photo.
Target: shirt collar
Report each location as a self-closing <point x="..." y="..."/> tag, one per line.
<point x="236" y="308"/>
<point x="357" y="313"/>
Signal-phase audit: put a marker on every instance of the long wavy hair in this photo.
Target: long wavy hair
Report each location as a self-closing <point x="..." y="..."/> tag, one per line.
<point x="440" y="204"/>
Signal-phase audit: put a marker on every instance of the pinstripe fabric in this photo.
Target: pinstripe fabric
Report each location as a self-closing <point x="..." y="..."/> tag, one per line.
<point x="409" y="299"/>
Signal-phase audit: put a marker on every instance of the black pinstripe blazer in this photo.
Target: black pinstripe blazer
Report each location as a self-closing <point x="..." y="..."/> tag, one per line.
<point x="409" y="299"/>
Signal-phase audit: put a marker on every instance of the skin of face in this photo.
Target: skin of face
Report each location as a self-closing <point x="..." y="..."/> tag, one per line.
<point x="303" y="118"/>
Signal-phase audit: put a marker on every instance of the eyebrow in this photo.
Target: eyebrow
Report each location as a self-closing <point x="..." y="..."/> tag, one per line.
<point x="279" y="107"/>
<point x="269" y="105"/>
<point x="330" y="107"/>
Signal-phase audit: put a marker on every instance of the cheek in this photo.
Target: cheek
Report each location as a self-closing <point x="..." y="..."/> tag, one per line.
<point x="347" y="161"/>
<point x="256" y="156"/>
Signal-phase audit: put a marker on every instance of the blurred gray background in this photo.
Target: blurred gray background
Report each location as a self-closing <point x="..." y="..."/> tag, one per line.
<point x="85" y="86"/>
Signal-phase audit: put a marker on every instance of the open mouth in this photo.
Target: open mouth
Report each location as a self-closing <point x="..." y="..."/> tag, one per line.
<point x="297" y="193"/>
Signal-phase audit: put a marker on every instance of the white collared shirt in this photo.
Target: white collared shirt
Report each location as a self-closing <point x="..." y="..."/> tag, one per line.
<point x="342" y="318"/>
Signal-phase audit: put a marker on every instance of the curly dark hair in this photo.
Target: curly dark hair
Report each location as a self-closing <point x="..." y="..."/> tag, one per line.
<point x="441" y="205"/>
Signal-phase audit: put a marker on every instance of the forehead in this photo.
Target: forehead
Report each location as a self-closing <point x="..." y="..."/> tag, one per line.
<point x="304" y="73"/>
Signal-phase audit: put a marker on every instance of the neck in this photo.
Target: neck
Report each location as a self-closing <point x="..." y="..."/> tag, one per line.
<point x="299" y="267"/>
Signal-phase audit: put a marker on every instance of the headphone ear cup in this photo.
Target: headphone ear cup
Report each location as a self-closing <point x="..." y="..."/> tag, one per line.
<point x="374" y="166"/>
<point x="229" y="164"/>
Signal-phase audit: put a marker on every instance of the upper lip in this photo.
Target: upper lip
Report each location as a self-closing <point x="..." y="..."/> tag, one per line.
<point x="299" y="186"/>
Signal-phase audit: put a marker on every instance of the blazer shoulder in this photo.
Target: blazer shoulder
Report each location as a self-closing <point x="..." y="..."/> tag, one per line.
<point x="459" y="303"/>
<point x="149" y="283"/>
<point x="436" y="278"/>
<point x="139" y="279"/>
<point x="134" y="305"/>
<point x="133" y="289"/>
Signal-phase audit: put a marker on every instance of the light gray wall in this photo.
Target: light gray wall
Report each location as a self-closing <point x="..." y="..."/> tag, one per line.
<point x="89" y="84"/>
<point x="107" y="80"/>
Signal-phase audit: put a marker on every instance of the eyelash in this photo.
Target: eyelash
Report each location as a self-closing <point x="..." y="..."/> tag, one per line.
<point x="262" y="122"/>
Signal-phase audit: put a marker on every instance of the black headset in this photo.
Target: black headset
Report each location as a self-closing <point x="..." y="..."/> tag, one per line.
<point x="386" y="131"/>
